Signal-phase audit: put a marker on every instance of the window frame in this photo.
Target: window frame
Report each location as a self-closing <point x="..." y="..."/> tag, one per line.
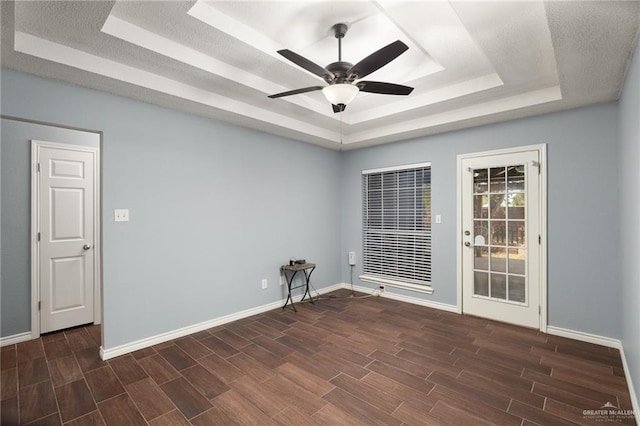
<point x="399" y="282"/>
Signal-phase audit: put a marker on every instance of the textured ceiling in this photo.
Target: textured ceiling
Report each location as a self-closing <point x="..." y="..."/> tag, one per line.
<point x="471" y="62"/>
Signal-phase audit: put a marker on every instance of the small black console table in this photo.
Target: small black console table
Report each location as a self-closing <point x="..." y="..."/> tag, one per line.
<point x="290" y="272"/>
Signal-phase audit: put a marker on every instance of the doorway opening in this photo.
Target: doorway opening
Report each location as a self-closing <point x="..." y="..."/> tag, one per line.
<point x="66" y="248"/>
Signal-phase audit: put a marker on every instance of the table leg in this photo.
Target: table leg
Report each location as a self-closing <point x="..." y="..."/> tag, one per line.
<point x="289" y="282"/>
<point x="307" y="278"/>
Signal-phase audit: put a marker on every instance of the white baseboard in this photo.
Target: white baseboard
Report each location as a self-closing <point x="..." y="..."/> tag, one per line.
<point x="585" y="337"/>
<point x="632" y="392"/>
<point x="16" y="338"/>
<point x="109" y="353"/>
<point x="402" y="298"/>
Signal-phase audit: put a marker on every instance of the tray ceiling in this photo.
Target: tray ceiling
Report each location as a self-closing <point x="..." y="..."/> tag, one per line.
<point x="471" y="63"/>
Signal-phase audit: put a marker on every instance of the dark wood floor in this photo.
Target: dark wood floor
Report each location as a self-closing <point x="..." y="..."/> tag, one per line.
<point x="343" y="361"/>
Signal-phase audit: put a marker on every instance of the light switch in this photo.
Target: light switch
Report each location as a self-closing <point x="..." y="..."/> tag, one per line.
<point x="121" y="215"/>
<point x="438" y="218"/>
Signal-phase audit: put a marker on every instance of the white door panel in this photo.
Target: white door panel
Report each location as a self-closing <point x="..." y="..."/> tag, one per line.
<point x="66" y="222"/>
<point x="67" y="169"/>
<point x="67" y="211"/>
<point x="67" y="283"/>
<point x="501" y="228"/>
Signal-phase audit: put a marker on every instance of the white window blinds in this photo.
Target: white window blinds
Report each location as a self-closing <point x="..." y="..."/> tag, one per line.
<point x="397" y="224"/>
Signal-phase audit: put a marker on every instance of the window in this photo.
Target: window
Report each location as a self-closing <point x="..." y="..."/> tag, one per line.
<point x="397" y="226"/>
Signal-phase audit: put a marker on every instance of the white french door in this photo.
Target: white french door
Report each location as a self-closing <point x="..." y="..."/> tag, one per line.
<point x="66" y="177"/>
<point x="501" y="236"/>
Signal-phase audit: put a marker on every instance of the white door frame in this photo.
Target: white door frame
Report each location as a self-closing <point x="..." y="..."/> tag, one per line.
<point x="542" y="206"/>
<point x="35" y="221"/>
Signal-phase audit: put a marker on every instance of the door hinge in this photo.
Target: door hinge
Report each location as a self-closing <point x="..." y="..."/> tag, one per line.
<point x="537" y="164"/>
<point x="39" y="305"/>
<point x="38" y="168"/>
<point x="539" y="310"/>
<point x="38" y="237"/>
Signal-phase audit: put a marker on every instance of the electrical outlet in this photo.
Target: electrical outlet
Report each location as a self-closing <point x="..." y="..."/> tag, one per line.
<point x="352" y="258"/>
<point x="264" y="283"/>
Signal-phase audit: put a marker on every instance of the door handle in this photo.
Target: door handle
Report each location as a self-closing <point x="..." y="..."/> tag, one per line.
<point x="86" y="247"/>
<point x="467" y="244"/>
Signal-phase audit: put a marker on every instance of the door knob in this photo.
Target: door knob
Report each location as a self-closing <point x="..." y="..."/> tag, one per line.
<point x="86" y="247"/>
<point x="467" y="244"/>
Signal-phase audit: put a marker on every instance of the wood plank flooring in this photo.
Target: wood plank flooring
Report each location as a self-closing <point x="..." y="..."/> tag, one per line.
<point x="342" y="361"/>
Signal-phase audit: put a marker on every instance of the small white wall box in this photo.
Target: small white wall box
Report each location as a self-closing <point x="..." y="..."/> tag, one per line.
<point x="121" y="215"/>
<point x="352" y="258"/>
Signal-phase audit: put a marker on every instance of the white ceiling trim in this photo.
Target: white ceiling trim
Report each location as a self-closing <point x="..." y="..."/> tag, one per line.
<point x="235" y="28"/>
<point x="45" y="49"/>
<point x="208" y="14"/>
<point x="523" y="100"/>
<point x="133" y="34"/>
<point x="470" y="62"/>
<point x="438" y="21"/>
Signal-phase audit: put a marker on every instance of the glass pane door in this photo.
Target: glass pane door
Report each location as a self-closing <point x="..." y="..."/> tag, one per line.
<point x="499" y="243"/>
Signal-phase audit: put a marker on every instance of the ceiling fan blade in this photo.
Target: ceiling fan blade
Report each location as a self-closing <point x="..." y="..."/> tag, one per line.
<point x="303" y="62"/>
<point x="378" y="59"/>
<point x="383" y="88"/>
<point x="338" y="108"/>
<point x="296" y="92"/>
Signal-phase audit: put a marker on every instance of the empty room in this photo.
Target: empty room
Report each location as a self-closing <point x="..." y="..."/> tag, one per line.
<point x="319" y="212"/>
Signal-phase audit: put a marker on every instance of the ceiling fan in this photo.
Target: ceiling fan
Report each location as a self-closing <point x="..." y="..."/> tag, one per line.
<point x="341" y="76"/>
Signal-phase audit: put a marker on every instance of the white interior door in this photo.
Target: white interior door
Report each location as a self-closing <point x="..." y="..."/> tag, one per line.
<point x="66" y="209"/>
<point x="501" y="237"/>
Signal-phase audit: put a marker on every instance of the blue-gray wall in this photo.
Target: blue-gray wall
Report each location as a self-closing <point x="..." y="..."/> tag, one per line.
<point x="214" y="208"/>
<point x="582" y="207"/>
<point x="15" y="294"/>
<point x="629" y="167"/>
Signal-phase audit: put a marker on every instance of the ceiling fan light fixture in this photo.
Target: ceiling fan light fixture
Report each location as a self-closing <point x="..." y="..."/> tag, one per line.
<point x="340" y="93"/>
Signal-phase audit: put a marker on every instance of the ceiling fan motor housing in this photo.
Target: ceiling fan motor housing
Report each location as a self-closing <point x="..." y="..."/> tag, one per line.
<point x="339" y="69"/>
